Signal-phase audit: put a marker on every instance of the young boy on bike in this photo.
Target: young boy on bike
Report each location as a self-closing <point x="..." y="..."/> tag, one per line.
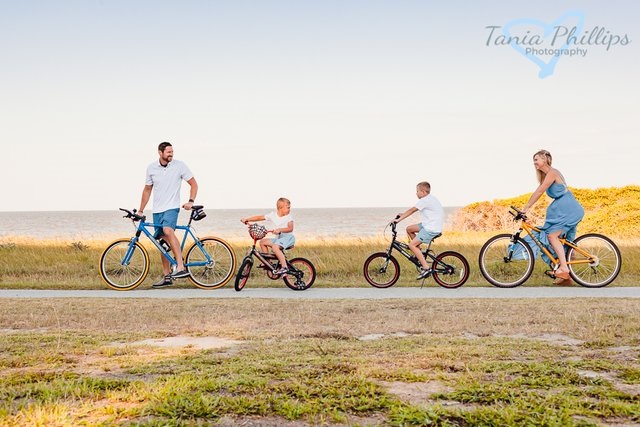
<point x="283" y="229"/>
<point x="430" y="227"/>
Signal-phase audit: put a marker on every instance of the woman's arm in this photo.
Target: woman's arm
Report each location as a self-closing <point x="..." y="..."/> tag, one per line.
<point x="546" y="183"/>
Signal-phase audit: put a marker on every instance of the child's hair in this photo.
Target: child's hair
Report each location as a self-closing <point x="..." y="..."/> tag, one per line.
<point x="424" y="185"/>
<point x="283" y="201"/>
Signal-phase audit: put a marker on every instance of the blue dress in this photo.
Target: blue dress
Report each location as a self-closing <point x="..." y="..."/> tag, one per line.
<point x="564" y="213"/>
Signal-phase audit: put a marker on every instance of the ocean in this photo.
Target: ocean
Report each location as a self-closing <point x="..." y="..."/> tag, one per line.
<point x="225" y="223"/>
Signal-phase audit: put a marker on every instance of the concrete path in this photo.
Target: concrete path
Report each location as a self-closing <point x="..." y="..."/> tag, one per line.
<point x="337" y="293"/>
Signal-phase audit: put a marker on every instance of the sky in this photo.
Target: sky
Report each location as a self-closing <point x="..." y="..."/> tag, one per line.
<point x="333" y="103"/>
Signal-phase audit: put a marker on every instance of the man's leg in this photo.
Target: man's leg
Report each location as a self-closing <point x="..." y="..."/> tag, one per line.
<point x="170" y="237"/>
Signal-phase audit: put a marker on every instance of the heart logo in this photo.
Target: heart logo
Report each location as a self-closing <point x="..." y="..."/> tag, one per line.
<point x="546" y="68"/>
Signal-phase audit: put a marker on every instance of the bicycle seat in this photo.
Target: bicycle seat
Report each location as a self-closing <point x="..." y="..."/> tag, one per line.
<point x="288" y="248"/>
<point x="436" y="236"/>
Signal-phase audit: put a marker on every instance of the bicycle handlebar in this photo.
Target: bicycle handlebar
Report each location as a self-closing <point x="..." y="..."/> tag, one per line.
<point x="135" y="217"/>
<point x="518" y="215"/>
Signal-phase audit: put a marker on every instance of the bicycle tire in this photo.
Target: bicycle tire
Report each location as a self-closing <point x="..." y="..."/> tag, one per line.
<point x="600" y="273"/>
<point x="500" y="272"/>
<point x="124" y="277"/>
<point x="455" y="275"/>
<point x="219" y="271"/>
<point x="243" y="274"/>
<point x="377" y="267"/>
<point x="308" y="274"/>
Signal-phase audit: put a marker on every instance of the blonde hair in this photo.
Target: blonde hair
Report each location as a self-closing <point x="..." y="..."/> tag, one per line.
<point x="548" y="159"/>
<point x="425" y="186"/>
<point x="283" y="201"/>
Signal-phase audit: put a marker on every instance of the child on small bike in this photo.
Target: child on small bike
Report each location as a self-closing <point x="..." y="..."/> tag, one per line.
<point x="283" y="229"/>
<point x="430" y="227"/>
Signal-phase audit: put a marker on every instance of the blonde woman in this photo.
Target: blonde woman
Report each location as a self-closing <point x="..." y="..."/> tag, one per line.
<point x="563" y="214"/>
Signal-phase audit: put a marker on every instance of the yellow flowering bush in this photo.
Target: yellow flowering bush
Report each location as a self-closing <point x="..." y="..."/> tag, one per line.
<point x="612" y="211"/>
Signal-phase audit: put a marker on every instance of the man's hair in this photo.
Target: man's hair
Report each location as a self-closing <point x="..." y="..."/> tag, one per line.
<point x="283" y="200"/>
<point x="425" y="186"/>
<point x="164" y="145"/>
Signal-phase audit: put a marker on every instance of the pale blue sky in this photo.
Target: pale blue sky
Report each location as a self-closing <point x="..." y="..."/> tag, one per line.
<point x="330" y="103"/>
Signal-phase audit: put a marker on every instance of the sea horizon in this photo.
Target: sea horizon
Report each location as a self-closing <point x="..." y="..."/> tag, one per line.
<point x="225" y="223"/>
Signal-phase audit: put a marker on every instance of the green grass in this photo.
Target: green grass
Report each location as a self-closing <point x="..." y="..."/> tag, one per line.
<point x="46" y="265"/>
<point x="460" y="363"/>
<point x="488" y="381"/>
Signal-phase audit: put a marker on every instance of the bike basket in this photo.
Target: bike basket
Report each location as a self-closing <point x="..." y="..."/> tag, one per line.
<point x="257" y="231"/>
<point x="198" y="214"/>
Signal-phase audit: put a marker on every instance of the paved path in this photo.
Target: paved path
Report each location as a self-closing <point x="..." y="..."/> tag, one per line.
<point x="336" y="293"/>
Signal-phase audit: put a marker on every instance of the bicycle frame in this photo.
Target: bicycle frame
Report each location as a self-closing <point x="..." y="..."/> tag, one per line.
<point x="403" y="248"/>
<point x="530" y="229"/>
<point x="142" y="228"/>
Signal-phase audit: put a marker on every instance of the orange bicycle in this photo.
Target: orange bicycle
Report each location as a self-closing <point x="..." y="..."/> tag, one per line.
<point x="507" y="260"/>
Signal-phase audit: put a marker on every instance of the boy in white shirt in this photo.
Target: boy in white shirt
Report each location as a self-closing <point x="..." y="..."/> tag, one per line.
<point x="430" y="227"/>
<point x="283" y="228"/>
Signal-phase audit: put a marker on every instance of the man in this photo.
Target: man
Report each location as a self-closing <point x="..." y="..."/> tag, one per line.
<point x="164" y="178"/>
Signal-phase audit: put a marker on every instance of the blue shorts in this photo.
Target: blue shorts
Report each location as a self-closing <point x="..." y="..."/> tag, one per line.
<point x="284" y="240"/>
<point x="165" y="219"/>
<point x="427" y="236"/>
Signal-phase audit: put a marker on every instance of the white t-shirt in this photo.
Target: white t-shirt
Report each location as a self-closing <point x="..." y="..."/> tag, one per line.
<point x="431" y="212"/>
<point x="166" y="183"/>
<point x="278" y="221"/>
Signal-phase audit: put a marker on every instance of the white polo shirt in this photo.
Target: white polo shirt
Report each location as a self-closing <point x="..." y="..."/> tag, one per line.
<point x="166" y="181"/>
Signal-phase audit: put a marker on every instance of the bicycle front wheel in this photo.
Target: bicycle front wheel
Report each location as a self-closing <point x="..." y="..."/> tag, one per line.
<point x="301" y="276"/>
<point x="212" y="264"/>
<point x="596" y="262"/>
<point x="506" y="264"/>
<point x="450" y="270"/>
<point x="243" y="274"/>
<point x="381" y="270"/>
<point x="124" y="266"/>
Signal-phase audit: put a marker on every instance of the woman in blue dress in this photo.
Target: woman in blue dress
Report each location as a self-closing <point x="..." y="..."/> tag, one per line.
<point x="563" y="214"/>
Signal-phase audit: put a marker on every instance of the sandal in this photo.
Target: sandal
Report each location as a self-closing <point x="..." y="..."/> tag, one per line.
<point x="562" y="278"/>
<point x="563" y="282"/>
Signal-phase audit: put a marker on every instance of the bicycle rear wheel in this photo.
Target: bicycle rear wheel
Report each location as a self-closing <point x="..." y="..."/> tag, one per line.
<point x="604" y="259"/>
<point x="506" y="264"/>
<point x="450" y="270"/>
<point x="120" y="274"/>
<point x="212" y="265"/>
<point x="381" y="270"/>
<point x="305" y="269"/>
<point x="243" y="274"/>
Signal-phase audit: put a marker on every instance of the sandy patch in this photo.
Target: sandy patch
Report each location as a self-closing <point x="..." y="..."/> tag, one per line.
<point x="373" y="337"/>
<point x="199" y="343"/>
<point x="632" y="389"/>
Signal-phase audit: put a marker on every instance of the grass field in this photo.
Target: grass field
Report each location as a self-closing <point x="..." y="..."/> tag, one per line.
<point x="293" y="363"/>
<point x="74" y="265"/>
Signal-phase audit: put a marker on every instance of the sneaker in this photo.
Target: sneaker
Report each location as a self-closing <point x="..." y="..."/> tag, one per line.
<point x="423" y="273"/>
<point x="165" y="281"/>
<point x="180" y="274"/>
<point x="281" y="271"/>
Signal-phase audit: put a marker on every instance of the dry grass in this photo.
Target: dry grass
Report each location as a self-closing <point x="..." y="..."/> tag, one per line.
<point x="583" y="319"/>
<point x="31" y="264"/>
<point x="443" y="362"/>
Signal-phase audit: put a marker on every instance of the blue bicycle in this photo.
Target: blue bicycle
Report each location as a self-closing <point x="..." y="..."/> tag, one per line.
<point x="124" y="264"/>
